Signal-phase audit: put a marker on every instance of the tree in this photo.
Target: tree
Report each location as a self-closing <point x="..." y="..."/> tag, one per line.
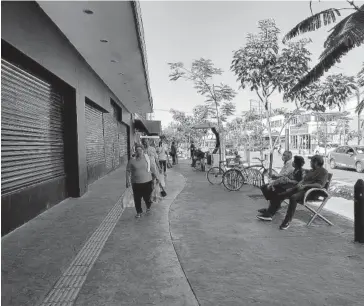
<point x="344" y="36"/>
<point x="218" y="96"/>
<point x="332" y="93"/>
<point x="260" y="67"/>
<point x="184" y="124"/>
<point x="342" y="129"/>
<point x="360" y="107"/>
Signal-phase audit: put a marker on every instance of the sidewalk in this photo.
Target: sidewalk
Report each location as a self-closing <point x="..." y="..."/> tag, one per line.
<point x="202" y="245"/>
<point x="34" y="255"/>
<point x="231" y="258"/>
<point x="61" y="258"/>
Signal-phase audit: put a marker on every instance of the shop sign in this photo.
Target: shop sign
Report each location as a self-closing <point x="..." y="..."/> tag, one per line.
<point x="299" y="130"/>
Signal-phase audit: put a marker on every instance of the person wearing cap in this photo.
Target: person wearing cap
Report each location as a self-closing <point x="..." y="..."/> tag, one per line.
<point x="139" y="176"/>
<point x="280" y="185"/>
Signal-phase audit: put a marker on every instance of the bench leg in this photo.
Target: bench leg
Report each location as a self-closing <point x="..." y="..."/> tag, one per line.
<point x="317" y="213"/>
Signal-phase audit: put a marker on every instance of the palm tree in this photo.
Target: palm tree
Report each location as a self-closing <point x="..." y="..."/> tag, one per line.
<point x="344" y="36"/>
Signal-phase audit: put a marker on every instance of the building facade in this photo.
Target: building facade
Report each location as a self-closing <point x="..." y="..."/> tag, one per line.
<point x="74" y="78"/>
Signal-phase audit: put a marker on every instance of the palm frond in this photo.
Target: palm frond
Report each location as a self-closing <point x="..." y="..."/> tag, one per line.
<point x="361" y="76"/>
<point x="313" y="23"/>
<point x="350" y="34"/>
<point x="349" y="30"/>
<point x="359" y="109"/>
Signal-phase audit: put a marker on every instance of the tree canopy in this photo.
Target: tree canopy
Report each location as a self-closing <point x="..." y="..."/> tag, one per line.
<point x="218" y="97"/>
<point x="344" y="36"/>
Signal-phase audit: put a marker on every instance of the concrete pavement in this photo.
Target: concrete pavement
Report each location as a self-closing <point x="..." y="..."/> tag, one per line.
<point x="202" y="245"/>
<point x="231" y="258"/>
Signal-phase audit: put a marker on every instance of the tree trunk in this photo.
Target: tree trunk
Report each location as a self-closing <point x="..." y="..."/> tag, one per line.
<point x="270" y="141"/>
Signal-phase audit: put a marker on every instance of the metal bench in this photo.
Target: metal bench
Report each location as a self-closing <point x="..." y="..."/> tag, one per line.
<point x="317" y="195"/>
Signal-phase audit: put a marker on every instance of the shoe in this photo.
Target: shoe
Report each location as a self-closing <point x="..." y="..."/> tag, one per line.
<point x="265" y="218"/>
<point x="284" y="226"/>
<point x="148" y="210"/>
<point x="262" y="210"/>
<point x="138" y="216"/>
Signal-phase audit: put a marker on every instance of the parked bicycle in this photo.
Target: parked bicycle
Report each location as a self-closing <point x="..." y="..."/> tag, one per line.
<point x="215" y="174"/>
<point x="257" y="175"/>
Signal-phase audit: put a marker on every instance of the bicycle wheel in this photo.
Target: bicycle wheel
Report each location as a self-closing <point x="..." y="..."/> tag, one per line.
<point x="214" y="175"/>
<point x="233" y="180"/>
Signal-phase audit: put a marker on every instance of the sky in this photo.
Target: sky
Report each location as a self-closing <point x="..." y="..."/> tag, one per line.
<point x="182" y="31"/>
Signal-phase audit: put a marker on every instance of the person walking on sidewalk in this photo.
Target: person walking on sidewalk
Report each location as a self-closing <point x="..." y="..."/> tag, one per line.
<point x="154" y="164"/>
<point x="139" y="176"/>
<point x="173" y="153"/>
<point x="163" y="157"/>
<point x="280" y="185"/>
<point x="192" y="149"/>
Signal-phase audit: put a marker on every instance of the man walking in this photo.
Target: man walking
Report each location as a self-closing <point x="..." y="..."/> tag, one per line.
<point x="192" y="149"/>
<point x="173" y="153"/>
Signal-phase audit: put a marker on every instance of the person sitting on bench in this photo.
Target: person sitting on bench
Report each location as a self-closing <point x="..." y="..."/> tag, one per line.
<point x="199" y="156"/>
<point x="315" y="178"/>
<point x="286" y="170"/>
<point x="278" y="186"/>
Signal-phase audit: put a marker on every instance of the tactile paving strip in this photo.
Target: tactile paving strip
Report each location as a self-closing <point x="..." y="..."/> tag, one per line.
<point x="65" y="291"/>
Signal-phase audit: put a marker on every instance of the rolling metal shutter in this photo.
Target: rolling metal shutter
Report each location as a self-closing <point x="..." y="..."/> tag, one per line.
<point x="111" y="141"/>
<point x="95" y="151"/>
<point x="32" y="149"/>
<point x="123" y="141"/>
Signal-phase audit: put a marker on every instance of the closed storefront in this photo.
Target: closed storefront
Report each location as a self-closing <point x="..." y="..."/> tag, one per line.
<point x="111" y="136"/>
<point x="123" y="143"/>
<point x="95" y="149"/>
<point x="32" y="149"/>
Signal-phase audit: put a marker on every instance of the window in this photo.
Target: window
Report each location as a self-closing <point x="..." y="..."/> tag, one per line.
<point x="341" y="150"/>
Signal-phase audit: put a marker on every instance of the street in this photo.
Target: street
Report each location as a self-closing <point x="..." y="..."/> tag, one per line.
<point x="341" y="176"/>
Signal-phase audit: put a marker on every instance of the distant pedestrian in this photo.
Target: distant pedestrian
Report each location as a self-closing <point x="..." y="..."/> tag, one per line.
<point x="154" y="162"/>
<point x="173" y="153"/>
<point x="139" y="177"/>
<point x="192" y="149"/>
<point x="163" y="157"/>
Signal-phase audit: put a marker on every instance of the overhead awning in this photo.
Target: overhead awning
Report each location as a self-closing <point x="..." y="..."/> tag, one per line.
<point x="109" y="36"/>
<point x="154" y="127"/>
<point x="150" y="127"/>
<point x="140" y="124"/>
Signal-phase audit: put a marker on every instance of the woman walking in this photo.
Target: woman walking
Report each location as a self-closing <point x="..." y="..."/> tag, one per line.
<point x="163" y="157"/>
<point x="139" y="176"/>
<point x="154" y="164"/>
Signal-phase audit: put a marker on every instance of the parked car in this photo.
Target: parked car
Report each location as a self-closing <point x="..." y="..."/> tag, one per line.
<point x="348" y="157"/>
<point x="330" y="147"/>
